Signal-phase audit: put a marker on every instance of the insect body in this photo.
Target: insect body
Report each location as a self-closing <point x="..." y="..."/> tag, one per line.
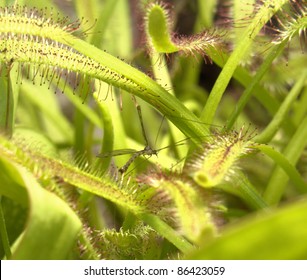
<point x="146" y="151"/>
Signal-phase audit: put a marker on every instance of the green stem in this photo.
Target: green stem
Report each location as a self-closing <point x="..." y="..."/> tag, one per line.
<point x="102" y="22"/>
<point x="6" y="102"/>
<point x="269" y="102"/>
<point x="79" y="141"/>
<point x="244" y="189"/>
<point x="301" y="108"/>
<point x="166" y="231"/>
<point x="80" y="144"/>
<point x="251" y="87"/>
<point x="206" y="11"/>
<point x="245" y="79"/>
<point x="264" y="14"/>
<point x="161" y="73"/>
<point x="108" y="134"/>
<point x="283" y="162"/>
<point x="281" y="114"/>
<point x="292" y="152"/>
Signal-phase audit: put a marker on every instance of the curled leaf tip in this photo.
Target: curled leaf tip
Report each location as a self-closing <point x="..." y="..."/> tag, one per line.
<point x="214" y="164"/>
<point x="161" y="38"/>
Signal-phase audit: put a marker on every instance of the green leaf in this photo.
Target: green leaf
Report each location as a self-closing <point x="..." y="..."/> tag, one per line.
<point x="9" y="187"/>
<point x="52" y="226"/>
<point x="276" y="235"/>
<point x="15" y="217"/>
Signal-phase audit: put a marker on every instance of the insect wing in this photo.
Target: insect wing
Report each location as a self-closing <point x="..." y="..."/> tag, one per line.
<point x="116" y="153"/>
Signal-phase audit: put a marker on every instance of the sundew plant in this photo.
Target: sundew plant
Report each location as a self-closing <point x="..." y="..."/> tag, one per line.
<point x="153" y="130"/>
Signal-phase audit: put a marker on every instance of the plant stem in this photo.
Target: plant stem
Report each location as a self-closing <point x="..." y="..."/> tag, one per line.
<point x="244" y="189"/>
<point x="166" y="231"/>
<point x="292" y="152"/>
<point x="206" y="12"/>
<point x="264" y="14"/>
<point x="6" y="102"/>
<point x="301" y="108"/>
<point x="161" y="73"/>
<point x="108" y="134"/>
<point x="280" y="116"/>
<point x="286" y="165"/>
<point x="251" y="87"/>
